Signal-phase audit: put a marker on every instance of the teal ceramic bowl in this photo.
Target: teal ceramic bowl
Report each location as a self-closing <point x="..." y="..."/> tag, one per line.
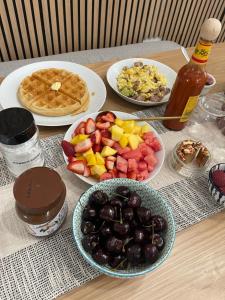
<point x="150" y="199"/>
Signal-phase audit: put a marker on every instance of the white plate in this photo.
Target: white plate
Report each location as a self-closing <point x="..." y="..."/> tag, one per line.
<point x="116" y="68"/>
<point x="90" y="180"/>
<point x="96" y="87"/>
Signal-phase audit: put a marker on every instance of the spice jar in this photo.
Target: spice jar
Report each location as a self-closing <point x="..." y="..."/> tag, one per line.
<point x="19" y="142"/>
<point x="40" y="200"/>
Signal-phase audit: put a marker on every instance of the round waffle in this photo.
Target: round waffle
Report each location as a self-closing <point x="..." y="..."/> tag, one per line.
<point x="54" y="92"/>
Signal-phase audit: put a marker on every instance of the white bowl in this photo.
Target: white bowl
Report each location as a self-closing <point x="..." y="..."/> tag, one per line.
<point x="116" y="68"/>
<point x="207" y="88"/>
<point x="122" y="115"/>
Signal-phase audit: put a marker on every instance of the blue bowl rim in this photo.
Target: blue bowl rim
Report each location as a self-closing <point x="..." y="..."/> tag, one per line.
<point x="210" y="177"/>
<point x="106" y="270"/>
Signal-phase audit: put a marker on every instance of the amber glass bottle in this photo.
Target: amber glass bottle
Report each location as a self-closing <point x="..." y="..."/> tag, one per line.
<point x="191" y="78"/>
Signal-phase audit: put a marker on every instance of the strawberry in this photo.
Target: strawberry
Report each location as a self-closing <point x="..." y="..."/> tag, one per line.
<point x="77" y="130"/>
<point x="121" y="164"/>
<point x="68" y="148"/>
<point x="83" y="146"/>
<point x="87" y="171"/>
<point x="105" y="176"/>
<point x="121" y="150"/>
<point x="82" y="130"/>
<point x="90" y="126"/>
<point x="222" y="190"/>
<point x="97" y="148"/>
<point x="132" y="175"/>
<point x="218" y="178"/>
<point x="107" y="142"/>
<point x="71" y="159"/>
<point x="109" y="164"/>
<point x="77" y="167"/>
<point x="96" y="137"/>
<point x="109" y="117"/>
<point x="112" y="158"/>
<point x="105" y="133"/>
<point x="104" y="125"/>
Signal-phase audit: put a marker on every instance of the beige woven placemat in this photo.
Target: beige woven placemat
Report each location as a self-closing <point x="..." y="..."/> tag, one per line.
<point x="32" y="268"/>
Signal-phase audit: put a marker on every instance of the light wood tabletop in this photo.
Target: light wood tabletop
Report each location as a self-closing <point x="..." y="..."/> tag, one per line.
<point x="196" y="268"/>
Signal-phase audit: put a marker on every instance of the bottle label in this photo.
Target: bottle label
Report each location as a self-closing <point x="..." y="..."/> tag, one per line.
<point x="190" y="106"/>
<point x="202" y="51"/>
<point x="49" y="227"/>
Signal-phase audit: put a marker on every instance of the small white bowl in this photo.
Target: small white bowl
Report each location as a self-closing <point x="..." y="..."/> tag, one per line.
<point x="207" y="88"/>
<point x="217" y="195"/>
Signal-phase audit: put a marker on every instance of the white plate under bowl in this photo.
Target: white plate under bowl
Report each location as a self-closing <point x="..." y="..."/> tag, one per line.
<point x="122" y="115"/>
<point x="114" y="71"/>
<point x="96" y="88"/>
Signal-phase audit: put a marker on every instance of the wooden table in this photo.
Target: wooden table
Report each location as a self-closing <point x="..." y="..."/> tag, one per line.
<point x="196" y="268"/>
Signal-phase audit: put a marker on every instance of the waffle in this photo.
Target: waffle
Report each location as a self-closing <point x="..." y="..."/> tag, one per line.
<point x="54" y="92"/>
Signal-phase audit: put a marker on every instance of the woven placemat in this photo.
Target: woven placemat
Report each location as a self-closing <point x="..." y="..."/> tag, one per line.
<point x="33" y="268"/>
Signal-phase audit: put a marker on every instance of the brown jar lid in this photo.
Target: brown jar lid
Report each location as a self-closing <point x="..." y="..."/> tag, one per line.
<point x="38" y="190"/>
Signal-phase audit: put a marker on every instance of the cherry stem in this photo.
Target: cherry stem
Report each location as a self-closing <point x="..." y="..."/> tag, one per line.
<point x="120" y="264"/>
<point x="99" y="228"/>
<point x="120" y="195"/>
<point x="121" y="219"/>
<point x="152" y="232"/>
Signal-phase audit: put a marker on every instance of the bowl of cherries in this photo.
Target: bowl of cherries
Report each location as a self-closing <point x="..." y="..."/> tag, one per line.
<point x="123" y="228"/>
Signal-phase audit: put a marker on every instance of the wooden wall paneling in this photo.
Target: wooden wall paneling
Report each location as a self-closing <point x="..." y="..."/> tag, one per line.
<point x="75" y="25"/>
<point x="9" y="11"/>
<point x="67" y="24"/>
<point x="175" y="15"/>
<point x="132" y="21"/>
<point x="60" y="25"/>
<point x="46" y="18"/>
<point x="5" y="54"/>
<point x="120" y="22"/>
<point x="159" y="20"/>
<point x="143" y="21"/>
<point x="169" y="18"/>
<point x="126" y="22"/>
<point x="95" y="26"/>
<point x="114" y="23"/>
<point x="34" y="41"/>
<point x="187" y="24"/>
<point x="108" y="22"/>
<point x="178" y="21"/>
<point x="154" y="18"/>
<point x="168" y="3"/>
<point x="89" y="23"/>
<point x="82" y="8"/>
<point x="52" y="5"/>
<point x="138" y="20"/>
<point x="102" y="25"/>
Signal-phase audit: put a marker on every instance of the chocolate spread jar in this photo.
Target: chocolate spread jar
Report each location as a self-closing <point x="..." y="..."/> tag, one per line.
<point x="40" y="200"/>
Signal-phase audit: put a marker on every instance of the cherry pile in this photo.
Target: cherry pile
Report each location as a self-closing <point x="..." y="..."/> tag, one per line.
<point x="119" y="232"/>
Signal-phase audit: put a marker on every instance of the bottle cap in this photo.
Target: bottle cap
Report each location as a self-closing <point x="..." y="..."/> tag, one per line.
<point x="210" y="29"/>
<point x="16" y="126"/>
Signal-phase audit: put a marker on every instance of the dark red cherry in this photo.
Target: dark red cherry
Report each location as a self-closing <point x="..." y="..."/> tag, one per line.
<point x="134" y="200"/>
<point x="101" y="257"/>
<point x="116" y="260"/>
<point x="89" y="213"/>
<point x="99" y="198"/>
<point x="106" y="230"/>
<point x="87" y="227"/>
<point x="128" y="214"/>
<point x="114" y="245"/>
<point x="116" y="202"/>
<point x="90" y="242"/>
<point x="121" y="229"/>
<point x="143" y="214"/>
<point x="159" y="223"/>
<point x="151" y="253"/>
<point x="158" y="241"/>
<point x="107" y="213"/>
<point x="134" y="253"/>
<point x="123" y="191"/>
<point x="139" y="236"/>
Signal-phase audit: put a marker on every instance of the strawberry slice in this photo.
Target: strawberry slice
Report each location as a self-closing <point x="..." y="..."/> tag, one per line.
<point x="68" y="148"/>
<point x="105" y="133"/>
<point x="87" y="171"/>
<point x="109" y="117"/>
<point x="97" y="148"/>
<point x="71" y="159"/>
<point x="105" y="176"/>
<point x="96" y="137"/>
<point x="121" y="164"/>
<point x="109" y="164"/>
<point x="112" y="158"/>
<point x="82" y="131"/>
<point x="102" y="114"/>
<point x="107" y="142"/>
<point x="83" y="146"/>
<point x="90" y="126"/>
<point x="77" y="167"/>
<point x="104" y="125"/>
<point x="77" y="130"/>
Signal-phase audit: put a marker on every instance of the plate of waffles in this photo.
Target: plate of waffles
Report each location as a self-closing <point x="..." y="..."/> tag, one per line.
<point x="56" y="92"/>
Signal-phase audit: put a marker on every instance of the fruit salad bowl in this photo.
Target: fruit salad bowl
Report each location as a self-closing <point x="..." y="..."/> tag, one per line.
<point x="151" y="200"/>
<point x="100" y="156"/>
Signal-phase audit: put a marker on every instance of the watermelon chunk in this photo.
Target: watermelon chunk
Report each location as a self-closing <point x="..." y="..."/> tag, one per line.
<point x="155" y="145"/>
<point x="142" y="166"/>
<point x="132" y="165"/>
<point x="145" y="149"/>
<point x="142" y="175"/>
<point x="121" y="164"/>
<point x="148" y="136"/>
<point x="132" y="175"/>
<point x="151" y="160"/>
<point x="136" y="154"/>
<point x="122" y="175"/>
<point x="105" y="176"/>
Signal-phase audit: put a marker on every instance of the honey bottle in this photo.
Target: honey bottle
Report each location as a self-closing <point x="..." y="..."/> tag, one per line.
<point x="191" y="78"/>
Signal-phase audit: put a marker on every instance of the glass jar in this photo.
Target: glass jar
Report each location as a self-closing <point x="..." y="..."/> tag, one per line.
<point x="40" y="200"/>
<point x="189" y="158"/>
<point x="19" y="141"/>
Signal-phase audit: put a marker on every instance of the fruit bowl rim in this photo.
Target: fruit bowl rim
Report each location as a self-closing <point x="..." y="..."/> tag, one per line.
<point x="210" y="177"/>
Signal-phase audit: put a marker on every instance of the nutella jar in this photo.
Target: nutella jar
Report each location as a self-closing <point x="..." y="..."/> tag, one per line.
<point x="40" y="200"/>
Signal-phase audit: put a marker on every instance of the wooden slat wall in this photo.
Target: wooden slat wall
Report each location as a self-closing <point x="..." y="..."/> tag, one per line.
<point x="32" y="28"/>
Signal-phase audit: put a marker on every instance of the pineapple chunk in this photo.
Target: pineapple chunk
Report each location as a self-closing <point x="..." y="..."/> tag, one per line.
<point x="98" y="170"/>
<point x="116" y="132"/>
<point x="128" y="126"/>
<point x="139" y="139"/>
<point x="123" y="141"/>
<point x="133" y="141"/>
<point x="137" y="129"/>
<point x="108" y="151"/>
<point x="91" y="160"/>
<point x="119" y="122"/>
<point x="99" y="159"/>
<point x="90" y="151"/>
<point x="145" y="128"/>
<point x="78" y="138"/>
<point x="80" y="157"/>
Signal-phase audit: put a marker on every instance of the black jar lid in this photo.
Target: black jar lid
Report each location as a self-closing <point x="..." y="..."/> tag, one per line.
<point x="16" y="126"/>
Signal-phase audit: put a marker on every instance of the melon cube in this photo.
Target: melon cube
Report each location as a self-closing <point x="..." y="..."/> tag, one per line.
<point x="132" y="165"/>
<point x="142" y="166"/>
<point x="121" y="164"/>
<point x="117" y="132"/>
<point x="122" y="175"/>
<point x="136" y="154"/>
<point x="99" y="159"/>
<point x="151" y="160"/>
<point x="132" y="175"/>
<point x="108" y="151"/>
